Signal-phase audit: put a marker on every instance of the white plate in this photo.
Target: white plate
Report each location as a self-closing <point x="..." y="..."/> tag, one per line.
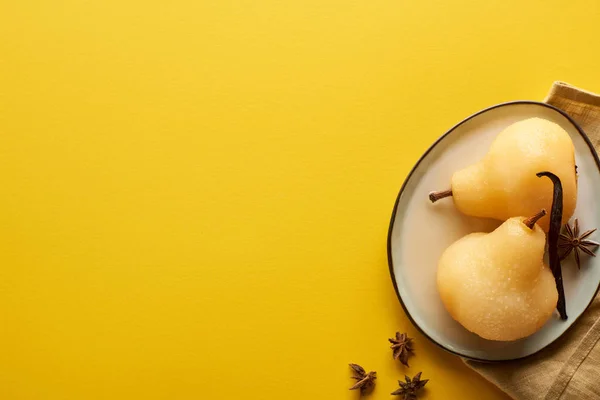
<point x="420" y="231"/>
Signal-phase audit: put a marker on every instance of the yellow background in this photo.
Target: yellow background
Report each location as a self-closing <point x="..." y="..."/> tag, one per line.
<point x="195" y="195"/>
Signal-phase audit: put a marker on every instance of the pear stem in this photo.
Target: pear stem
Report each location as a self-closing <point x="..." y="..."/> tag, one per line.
<point x="530" y="222"/>
<point x="435" y="196"/>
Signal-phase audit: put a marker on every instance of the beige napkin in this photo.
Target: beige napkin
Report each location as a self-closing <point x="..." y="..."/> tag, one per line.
<point x="570" y="367"/>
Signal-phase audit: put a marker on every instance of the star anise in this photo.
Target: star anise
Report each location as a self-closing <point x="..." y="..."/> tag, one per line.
<point x="402" y="346"/>
<point x="366" y="381"/>
<point x="571" y="241"/>
<point x="409" y="388"/>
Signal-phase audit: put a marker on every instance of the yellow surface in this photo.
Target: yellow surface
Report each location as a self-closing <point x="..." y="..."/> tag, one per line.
<point x="194" y="194"/>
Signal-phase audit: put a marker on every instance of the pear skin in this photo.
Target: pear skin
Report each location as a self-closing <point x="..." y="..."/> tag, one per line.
<point x="504" y="183"/>
<point x="497" y="285"/>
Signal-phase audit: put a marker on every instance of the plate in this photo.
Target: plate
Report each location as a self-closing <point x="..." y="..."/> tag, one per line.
<point x="420" y="231"/>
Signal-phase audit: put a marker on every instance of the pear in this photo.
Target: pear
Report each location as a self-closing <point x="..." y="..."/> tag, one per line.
<point x="504" y="183"/>
<point x="496" y="284"/>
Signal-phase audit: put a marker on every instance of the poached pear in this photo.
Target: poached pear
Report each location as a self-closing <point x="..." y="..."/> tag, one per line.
<point x="496" y="284"/>
<point x="504" y="183"/>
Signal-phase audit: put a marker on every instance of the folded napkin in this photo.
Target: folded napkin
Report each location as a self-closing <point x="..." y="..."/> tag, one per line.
<point x="568" y="368"/>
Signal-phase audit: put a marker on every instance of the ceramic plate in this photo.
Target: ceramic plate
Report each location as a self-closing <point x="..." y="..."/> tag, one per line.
<point x="420" y="231"/>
